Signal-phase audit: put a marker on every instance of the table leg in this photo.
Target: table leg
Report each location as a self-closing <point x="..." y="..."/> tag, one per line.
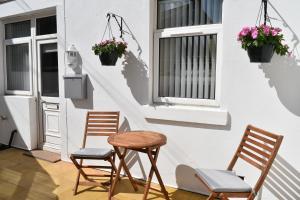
<point x="154" y="168"/>
<point x="121" y="164"/>
<point x="149" y="179"/>
<point x="114" y="183"/>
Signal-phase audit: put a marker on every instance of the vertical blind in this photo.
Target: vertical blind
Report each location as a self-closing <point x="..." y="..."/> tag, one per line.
<point x="17" y="65"/>
<point x="17" y="30"/>
<point x="177" y="13"/>
<point x="187" y="64"/>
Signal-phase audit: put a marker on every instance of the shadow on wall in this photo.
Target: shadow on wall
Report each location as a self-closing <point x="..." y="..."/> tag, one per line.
<point x="78" y="68"/>
<point x="295" y="38"/>
<point x="185" y="179"/>
<point x="283" y="180"/>
<point x="125" y="126"/>
<point x="283" y="74"/>
<point x="23" y="5"/>
<point x="132" y="157"/>
<point x="135" y="72"/>
<point x="87" y="103"/>
<point x="123" y="101"/>
<point x="226" y="127"/>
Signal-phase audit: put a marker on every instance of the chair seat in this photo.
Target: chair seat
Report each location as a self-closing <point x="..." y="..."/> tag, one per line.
<point x="91" y="153"/>
<point x="223" y="181"/>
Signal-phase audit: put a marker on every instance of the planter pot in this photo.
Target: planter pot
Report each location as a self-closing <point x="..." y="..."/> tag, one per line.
<point x="261" y="54"/>
<point x="109" y="59"/>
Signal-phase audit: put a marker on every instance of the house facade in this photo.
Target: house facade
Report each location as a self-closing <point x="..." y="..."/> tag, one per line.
<point x="184" y="75"/>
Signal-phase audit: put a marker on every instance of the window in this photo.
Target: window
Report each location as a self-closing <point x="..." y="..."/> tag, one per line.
<point x="187" y="51"/>
<point x="46" y="25"/>
<point x="18" y="57"/>
<point x="19" y="39"/>
<point x="17" y="62"/>
<point x="17" y="30"/>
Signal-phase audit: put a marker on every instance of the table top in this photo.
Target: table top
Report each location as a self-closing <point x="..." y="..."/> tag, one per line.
<point x="137" y="139"/>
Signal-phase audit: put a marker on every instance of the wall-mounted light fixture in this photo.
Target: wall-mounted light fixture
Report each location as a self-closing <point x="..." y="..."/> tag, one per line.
<point x="72" y="56"/>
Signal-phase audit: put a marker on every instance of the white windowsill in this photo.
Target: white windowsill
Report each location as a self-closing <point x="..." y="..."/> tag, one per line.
<point x="192" y="114"/>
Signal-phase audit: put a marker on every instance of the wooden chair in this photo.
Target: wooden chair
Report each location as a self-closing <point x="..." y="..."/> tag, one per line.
<point x="97" y="124"/>
<point x="258" y="148"/>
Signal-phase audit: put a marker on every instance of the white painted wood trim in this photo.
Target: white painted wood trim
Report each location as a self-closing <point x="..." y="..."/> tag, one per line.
<point x="179" y="32"/>
<point x="191" y="114"/>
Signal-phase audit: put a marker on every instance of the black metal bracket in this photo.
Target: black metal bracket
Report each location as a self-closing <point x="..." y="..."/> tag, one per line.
<point x="265" y="3"/>
<point x="119" y="19"/>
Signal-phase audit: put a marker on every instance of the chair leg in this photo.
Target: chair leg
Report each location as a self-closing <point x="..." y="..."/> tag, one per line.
<point x="78" y="166"/>
<point x="113" y="169"/>
<point x="251" y="197"/>
<point x="223" y="196"/>
<point x="212" y="196"/>
<point x="76" y="184"/>
<point x="80" y="171"/>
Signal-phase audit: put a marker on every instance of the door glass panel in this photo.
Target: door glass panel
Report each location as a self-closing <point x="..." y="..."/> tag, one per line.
<point x="46" y="25"/>
<point x="17" y="67"/>
<point x="49" y="70"/>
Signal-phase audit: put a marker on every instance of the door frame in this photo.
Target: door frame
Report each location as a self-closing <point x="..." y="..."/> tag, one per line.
<point x="40" y="99"/>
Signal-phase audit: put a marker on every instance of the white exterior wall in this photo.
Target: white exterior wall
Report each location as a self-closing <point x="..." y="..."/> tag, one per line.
<point x="19" y="115"/>
<point x="263" y="95"/>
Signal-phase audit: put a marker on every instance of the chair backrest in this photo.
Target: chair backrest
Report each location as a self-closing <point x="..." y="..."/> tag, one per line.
<point x="101" y="124"/>
<point x="258" y="148"/>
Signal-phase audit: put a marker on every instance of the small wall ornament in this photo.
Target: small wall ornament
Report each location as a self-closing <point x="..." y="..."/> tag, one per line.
<point x="72" y="56"/>
<point x="262" y="41"/>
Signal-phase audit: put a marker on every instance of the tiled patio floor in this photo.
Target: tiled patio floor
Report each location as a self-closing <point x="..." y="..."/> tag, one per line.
<point x="25" y="178"/>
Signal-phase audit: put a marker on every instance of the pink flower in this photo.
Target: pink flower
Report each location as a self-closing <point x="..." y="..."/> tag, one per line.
<point x="254" y="32"/>
<point x="244" y="31"/>
<point x="274" y="32"/>
<point x="278" y="29"/>
<point x="266" y="30"/>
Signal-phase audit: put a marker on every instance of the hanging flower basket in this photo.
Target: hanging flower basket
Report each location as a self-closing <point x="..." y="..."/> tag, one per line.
<point x="109" y="58"/>
<point x="262" y="54"/>
<point x="262" y="41"/>
<point x="109" y="51"/>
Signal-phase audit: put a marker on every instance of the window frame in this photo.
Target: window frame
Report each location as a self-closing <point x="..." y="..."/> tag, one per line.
<point x="16" y="41"/>
<point x="195" y="30"/>
<point x="32" y="41"/>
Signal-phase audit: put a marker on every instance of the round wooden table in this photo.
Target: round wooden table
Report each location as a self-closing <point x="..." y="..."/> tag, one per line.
<point x="142" y="141"/>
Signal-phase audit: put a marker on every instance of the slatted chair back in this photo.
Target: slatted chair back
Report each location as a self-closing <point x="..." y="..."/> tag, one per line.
<point x="258" y="148"/>
<point x="101" y="124"/>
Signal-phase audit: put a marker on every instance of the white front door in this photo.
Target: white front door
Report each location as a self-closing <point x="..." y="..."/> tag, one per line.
<point x="48" y="93"/>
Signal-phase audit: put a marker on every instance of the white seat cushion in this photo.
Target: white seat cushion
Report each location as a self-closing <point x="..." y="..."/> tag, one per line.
<point x="93" y="153"/>
<point x="223" y="181"/>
